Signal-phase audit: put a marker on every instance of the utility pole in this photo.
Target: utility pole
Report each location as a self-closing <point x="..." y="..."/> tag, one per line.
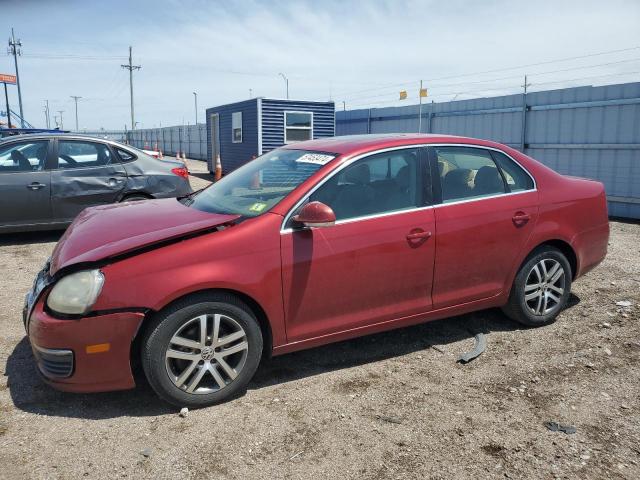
<point x="6" y="100"/>
<point x="15" y="50"/>
<point x="47" y="113"/>
<point x="420" y="109"/>
<point x="195" y="96"/>
<point x="75" y="97"/>
<point x="250" y="93"/>
<point x="344" y="106"/>
<point x="523" y="134"/>
<point x="131" y="67"/>
<point x="61" y="124"/>
<point x="286" y="83"/>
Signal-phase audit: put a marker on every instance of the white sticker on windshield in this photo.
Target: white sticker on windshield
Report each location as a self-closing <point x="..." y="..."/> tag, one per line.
<point x="315" y="158"/>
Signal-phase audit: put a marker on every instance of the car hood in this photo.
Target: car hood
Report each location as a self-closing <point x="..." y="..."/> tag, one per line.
<point x="99" y="233"/>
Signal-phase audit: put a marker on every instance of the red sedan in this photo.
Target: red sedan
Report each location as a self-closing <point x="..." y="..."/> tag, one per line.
<point x="312" y="243"/>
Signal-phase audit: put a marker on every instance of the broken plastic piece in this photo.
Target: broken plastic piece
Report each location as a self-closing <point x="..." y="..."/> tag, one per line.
<point x="478" y="348"/>
<point x="556" y="427"/>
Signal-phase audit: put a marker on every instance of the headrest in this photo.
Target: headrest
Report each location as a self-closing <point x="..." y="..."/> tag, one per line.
<point x="488" y="179"/>
<point x="458" y="176"/>
<point x="360" y="174"/>
<point x="403" y="177"/>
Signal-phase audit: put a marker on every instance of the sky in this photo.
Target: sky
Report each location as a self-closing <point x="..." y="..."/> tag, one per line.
<point x="361" y="53"/>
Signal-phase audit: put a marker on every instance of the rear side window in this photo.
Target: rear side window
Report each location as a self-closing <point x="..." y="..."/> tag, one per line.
<point x="74" y="154"/>
<point x="468" y="173"/>
<point x="23" y="156"/>
<point x="381" y="183"/>
<point x="517" y="179"/>
<point x="125" y="156"/>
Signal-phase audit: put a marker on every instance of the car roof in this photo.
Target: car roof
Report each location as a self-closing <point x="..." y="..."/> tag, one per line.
<point x="66" y="136"/>
<point x="353" y="144"/>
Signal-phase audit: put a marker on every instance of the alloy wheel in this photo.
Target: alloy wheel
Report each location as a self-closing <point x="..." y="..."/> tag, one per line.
<point x="206" y="353"/>
<point x="544" y="288"/>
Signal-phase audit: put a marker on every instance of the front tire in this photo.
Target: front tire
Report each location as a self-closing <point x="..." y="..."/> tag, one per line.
<point x="541" y="288"/>
<point x="202" y="351"/>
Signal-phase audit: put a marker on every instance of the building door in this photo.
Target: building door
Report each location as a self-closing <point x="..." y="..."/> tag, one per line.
<point x="215" y="141"/>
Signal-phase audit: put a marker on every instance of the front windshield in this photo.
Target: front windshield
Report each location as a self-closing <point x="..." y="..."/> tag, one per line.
<point x="257" y="186"/>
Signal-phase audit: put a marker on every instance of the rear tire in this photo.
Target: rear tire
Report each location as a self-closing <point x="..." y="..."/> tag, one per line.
<point x="201" y="351"/>
<point x="541" y="288"/>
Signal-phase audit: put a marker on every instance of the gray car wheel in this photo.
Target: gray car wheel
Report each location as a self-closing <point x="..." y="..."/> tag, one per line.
<point x="202" y="351"/>
<point x="541" y="288"/>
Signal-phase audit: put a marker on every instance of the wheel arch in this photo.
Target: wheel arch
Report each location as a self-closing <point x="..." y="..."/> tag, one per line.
<point x="135" y="193"/>
<point x="562" y="245"/>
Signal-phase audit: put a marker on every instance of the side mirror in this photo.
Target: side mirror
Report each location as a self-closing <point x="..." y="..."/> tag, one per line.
<point x="315" y="214"/>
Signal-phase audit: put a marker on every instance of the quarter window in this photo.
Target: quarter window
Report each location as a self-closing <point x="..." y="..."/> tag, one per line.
<point x="23" y="157"/>
<point x="73" y="154"/>
<point x="381" y="183"/>
<point x="298" y="126"/>
<point x="124" y="155"/>
<point x="236" y="127"/>
<point x="517" y="179"/>
<point x="468" y="173"/>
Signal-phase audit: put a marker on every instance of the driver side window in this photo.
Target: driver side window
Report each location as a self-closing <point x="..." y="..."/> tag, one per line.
<point x="382" y="183"/>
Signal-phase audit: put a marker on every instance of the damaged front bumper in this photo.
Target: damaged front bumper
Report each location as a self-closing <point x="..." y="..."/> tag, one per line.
<point x="90" y="354"/>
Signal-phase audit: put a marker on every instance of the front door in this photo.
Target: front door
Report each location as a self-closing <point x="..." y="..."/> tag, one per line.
<point x="25" y="184"/>
<point x="488" y="210"/>
<point x="87" y="174"/>
<point x="376" y="263"/>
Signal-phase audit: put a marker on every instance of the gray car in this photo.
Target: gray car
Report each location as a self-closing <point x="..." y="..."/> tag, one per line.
<point x="46" y="180"/>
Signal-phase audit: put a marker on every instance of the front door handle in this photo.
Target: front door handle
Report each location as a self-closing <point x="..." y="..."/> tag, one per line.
<point x="520" y="219"/>
<point x="418" y="235"/>
<point x="36" y="186"/>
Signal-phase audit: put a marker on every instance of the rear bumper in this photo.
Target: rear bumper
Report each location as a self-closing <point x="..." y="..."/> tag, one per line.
<point x="60" y="350"/>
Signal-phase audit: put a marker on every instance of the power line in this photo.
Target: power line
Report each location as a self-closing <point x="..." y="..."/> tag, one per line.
<point x="584" y="67"/>
<point x="499" y="69"/>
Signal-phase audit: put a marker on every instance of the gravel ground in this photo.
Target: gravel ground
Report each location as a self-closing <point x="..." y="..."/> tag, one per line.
<point x="392" y="405"/>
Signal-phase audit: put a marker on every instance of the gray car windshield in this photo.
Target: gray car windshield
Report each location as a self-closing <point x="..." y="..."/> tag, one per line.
<point x="254" y="188"/>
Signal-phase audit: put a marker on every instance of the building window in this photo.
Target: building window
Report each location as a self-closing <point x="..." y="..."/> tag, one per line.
<point x="236" y="127"/>
<point x="298" y="126"/>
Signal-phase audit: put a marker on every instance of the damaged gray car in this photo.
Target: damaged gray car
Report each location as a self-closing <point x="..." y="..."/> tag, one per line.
<point x="47" y="180"/>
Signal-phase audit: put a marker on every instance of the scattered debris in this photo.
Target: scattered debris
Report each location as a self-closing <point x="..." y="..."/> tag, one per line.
<point x="623" y="303"/>
<point x="294" y="456"/>
<point x="605" y="325"/>
<point x="607" y="351"/>
<point x="146" y="453"/>
<point x="556" y="427"/>
<point x="387" y="419"/>
<point x="184" y="411"/>
<point x="437" y="348"/>
<point x="478" y="348"/>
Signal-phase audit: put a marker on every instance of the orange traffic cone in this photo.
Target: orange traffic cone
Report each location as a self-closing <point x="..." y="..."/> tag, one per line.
<point x="218" y="168"/>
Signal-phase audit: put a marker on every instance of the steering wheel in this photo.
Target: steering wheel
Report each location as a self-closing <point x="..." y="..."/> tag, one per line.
<point x="68" y="159"/>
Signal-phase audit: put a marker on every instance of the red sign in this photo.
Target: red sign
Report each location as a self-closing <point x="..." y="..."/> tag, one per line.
<point x="6" y="78"/>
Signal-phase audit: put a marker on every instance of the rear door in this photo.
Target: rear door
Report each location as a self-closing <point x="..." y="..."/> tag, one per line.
<point x="25" y="183"/>
<point x="488" y="208"/>
<point x="87" y="173"/>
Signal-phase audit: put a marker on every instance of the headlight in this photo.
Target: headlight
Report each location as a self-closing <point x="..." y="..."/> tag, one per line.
<point x="76" y="293"/>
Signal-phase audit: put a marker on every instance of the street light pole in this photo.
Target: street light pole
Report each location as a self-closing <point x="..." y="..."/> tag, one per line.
<point x="75" y="97"/>
<point x="195" y="97"/>
<point x="286" y="83"/>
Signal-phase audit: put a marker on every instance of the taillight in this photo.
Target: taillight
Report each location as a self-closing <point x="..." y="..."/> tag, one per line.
<point x="181" y="172"/>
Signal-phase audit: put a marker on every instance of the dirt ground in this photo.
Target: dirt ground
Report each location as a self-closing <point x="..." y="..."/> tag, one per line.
<point x="392" y="405"/>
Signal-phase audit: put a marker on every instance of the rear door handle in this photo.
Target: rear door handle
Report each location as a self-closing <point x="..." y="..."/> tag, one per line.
<point x="418" y="235"/>
<point x="520" y="218"/>
<point x="36" y="186"/>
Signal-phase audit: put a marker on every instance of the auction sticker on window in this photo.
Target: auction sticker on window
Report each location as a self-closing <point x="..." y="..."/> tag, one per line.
<point x="257" y="207"/>
<point x="315" y="158"/>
